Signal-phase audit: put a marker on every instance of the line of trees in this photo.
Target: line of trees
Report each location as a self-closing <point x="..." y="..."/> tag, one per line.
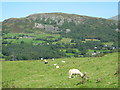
<point x="29" y="52"/>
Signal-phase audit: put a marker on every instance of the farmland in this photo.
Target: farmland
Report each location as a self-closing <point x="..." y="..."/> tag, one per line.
<point x="28" y="38"/>
<point x="36" y="74"/>
<point x="69" y="47"/>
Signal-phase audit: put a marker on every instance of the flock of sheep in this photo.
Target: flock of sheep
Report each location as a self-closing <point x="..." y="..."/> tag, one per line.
<point x="71" y="72"/>
<point x="76" y="72"/>
<point x="46" y="62"/>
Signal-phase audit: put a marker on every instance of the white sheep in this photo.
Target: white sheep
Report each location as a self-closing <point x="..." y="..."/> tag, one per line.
<point x="57" y="66"/>
<point x="75" y="72"/>
<point x="46" y="62"/>
<point x="53" y="59"/>
<point x="63" y="61"/>
<point x="41" y="58"/>
<point x="54" y="64"/>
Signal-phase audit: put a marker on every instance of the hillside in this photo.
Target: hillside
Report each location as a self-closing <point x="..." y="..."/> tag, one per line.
<point x="67" y="25"/>
<point x="57" y="35"/>
<point x="36" y="74"/>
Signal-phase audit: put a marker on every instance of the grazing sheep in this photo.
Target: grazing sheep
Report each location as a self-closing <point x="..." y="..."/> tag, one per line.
<point x="76" y="72"/>
<point x="63" y="61"/>
<point x="53" y="59"/>
<point x="46" y="62"/>
<point x="98" y="80"/>
<point x="94" y="53"/>
<point x="41" y="58"/>
<point x="57" y="66"/>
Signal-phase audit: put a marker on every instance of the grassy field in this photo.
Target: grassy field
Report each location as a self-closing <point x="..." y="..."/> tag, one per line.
<point x="20" y="36"/>
<point x="64" y="40"/>
<point x="36" y="74"/>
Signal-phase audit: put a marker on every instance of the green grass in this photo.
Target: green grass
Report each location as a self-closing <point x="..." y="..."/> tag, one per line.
<point x="40" y="36"/>
<point x="65" y="40"/>
<point x="70" y="54"/>
<point x="17" y="41"/>
<point x="26" y="40"/>
<point x="35" y="74"/>
<point x="0" y="74"/>
<point x="11" y="34"/>
<point x="30" y="40"/>
<point x="47" y="36"/>
<point x="38" y="41"/>
<point x="17" y="34"/>
<point x="90" y="51"/>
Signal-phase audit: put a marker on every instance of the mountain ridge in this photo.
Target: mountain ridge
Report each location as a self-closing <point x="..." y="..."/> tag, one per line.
<point x="63" y="14"/>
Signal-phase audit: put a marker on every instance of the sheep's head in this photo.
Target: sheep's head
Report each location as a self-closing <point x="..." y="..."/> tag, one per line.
<point x="85" y="76"/>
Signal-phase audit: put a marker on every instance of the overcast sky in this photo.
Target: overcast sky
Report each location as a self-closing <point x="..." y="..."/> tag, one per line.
<point x="94" y="9"/>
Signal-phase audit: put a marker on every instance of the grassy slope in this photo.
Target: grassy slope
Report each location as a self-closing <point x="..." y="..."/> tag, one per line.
<point x="0" y="74"/>
<point x="35" y="74"/>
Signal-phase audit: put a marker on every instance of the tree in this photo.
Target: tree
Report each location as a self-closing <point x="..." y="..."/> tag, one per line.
<point x="22" y="42"/>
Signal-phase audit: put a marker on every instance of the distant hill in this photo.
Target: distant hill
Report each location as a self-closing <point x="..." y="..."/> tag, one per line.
<point x="114" y="18"/>
<point x="67" y="25"/>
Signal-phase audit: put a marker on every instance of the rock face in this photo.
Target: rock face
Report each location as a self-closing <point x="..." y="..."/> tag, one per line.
<point x="37" y="25"/>
<point x="52" y="21"/>
<point x="58" y="18"/>
<point x="51" y="28"/>
<point x="46" y="27"/>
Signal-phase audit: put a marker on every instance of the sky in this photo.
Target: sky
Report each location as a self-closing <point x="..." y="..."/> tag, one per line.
<point x="94" y="9"/>
<point x="60" y="0"/>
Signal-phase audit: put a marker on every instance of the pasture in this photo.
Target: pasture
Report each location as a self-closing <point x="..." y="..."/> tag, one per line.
<point x="16" y="38"/>
<point x="36" y="74"/>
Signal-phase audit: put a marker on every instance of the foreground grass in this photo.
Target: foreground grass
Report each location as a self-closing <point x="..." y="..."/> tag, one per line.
<point x="35" y="74"/>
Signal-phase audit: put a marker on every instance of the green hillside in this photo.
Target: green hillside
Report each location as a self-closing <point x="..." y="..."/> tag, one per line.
<point x="36" y="74"/>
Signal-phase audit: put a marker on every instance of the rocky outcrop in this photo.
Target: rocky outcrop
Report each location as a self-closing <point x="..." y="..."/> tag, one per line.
<point x="46" y="27"/>
<point x="38" y="25"/>
<point x="58" y="18"/>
